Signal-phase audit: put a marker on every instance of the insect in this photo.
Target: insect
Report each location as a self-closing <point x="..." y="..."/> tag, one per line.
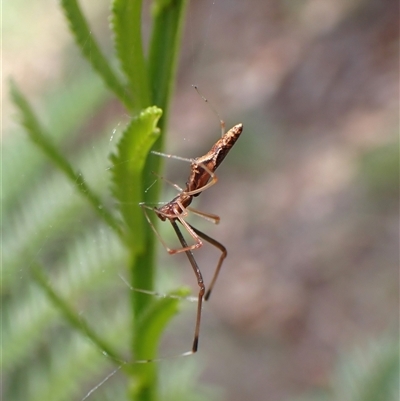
<point x="202" y="176"/>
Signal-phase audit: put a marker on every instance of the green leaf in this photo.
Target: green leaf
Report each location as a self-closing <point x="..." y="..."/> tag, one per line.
<point x="126" y="23"/>
<point x="41" y="139"/>
<point x="128" y="164"/>
<point x="91" y="51"/>
<point x="153" y="322"/>
<point x="150" y="327"/>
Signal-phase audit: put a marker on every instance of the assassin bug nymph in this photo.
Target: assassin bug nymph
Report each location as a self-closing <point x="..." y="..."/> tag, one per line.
<point x="202" y="176"/>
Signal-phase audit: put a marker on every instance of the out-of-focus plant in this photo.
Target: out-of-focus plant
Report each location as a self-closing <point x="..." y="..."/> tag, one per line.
<point x="62" y="238"/>
<point x="368" y="373"/>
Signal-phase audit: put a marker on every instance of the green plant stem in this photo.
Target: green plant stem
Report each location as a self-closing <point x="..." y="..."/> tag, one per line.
<point x="168" y="16"/>
<point x="168" y="19"/>
<point x="163" y="55"/>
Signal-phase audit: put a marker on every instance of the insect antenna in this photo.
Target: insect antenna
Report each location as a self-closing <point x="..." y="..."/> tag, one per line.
<point x="221" y="121"/>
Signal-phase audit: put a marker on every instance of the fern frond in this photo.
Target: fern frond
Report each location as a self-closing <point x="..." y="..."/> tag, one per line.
<point x="74" y="104"/>
<point x="42" y="140"/>
<point x="91" y="50"/>
<point x="68" y="109"/>
<point x="49" y="209"/>
<point x="90" y="264"/>
<point x="22" y="325"/>
<point x="74" y="362"/>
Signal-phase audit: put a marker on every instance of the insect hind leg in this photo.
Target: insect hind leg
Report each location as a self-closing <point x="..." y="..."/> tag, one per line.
<point x="224" y="254"/>
<point x="200" y="283"/>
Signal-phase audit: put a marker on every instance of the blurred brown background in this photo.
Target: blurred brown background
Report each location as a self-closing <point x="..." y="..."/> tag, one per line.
<point x="308" y="198"/>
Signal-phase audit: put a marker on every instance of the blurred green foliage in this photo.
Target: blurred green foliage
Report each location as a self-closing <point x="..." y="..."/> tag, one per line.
<point x="368" y="373"/>
<point x="67" y="319"/>
<point x="380" y="171"/>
